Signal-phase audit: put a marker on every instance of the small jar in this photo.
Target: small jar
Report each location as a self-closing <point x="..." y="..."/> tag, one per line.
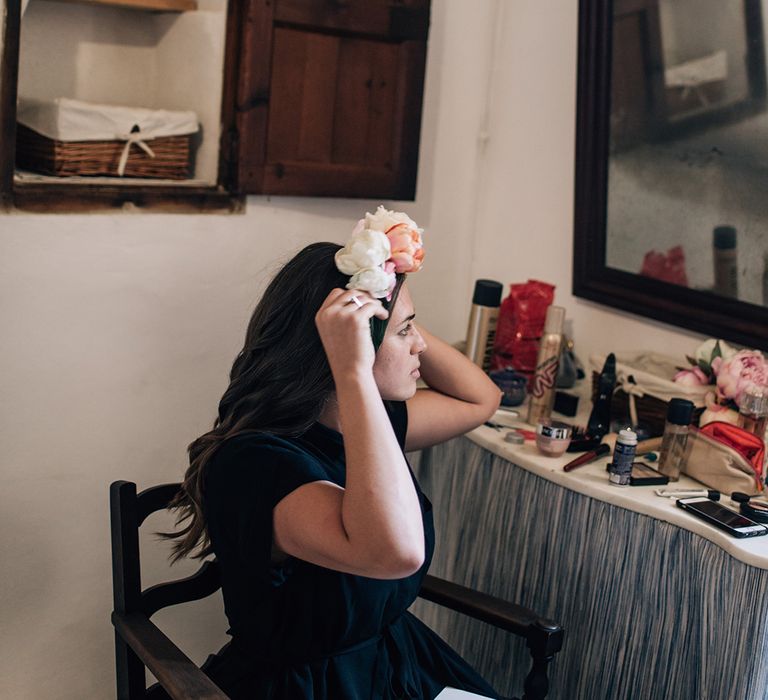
<point x="511" y="384"/>
<point x="552" y="437"/>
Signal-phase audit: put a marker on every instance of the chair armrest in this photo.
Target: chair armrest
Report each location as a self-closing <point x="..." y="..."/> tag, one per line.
<point x="495" y="611"/>
<point x="178" y="675"/>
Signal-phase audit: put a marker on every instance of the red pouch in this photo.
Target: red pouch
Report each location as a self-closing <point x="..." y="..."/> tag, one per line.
<point x="747" y="444"/>
<point x="520" y="326"/>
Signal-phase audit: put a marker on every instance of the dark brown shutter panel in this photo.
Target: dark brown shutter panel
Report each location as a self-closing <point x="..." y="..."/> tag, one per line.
<point x="330" y="95"/>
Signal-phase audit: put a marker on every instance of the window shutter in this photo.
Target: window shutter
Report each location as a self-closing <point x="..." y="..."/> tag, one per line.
<point x="329" y="98"/>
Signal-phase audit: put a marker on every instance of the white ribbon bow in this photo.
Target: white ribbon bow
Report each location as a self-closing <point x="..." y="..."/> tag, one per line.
<point x="140" y="140"/>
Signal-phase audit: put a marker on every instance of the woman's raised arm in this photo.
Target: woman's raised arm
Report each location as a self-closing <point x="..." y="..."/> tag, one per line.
<point x="372" y="527"/>
<point x="459" y="397"/>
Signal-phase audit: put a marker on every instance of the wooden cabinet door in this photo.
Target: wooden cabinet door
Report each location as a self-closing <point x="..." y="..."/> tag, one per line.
<point x="329" y="97"/>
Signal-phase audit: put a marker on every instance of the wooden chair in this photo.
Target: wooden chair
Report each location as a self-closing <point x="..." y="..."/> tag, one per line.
<point x="139" y="643"/>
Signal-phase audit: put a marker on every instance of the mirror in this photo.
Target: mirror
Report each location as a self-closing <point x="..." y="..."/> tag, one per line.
<point x="671" y="194"/>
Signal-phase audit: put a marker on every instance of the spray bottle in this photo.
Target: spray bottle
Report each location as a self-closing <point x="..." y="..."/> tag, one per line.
<point x="543" y="386"/>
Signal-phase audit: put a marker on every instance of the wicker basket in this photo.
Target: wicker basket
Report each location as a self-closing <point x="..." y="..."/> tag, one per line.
<point x="41" y="154"/>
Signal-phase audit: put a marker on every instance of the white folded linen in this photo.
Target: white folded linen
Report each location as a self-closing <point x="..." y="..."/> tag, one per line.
<point x="65" y="119"/>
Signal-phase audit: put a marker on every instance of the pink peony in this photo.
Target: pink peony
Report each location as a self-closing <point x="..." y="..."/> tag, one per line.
<point x="691" y="377"/>
<point x="747" y="369"/>
<point x="407" y="249"/>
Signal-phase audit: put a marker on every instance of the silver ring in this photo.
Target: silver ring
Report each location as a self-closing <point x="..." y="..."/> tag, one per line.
<point x="356" y="301"/>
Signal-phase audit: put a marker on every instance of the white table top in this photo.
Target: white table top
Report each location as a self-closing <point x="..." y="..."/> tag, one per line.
<point x="592" y="480"/>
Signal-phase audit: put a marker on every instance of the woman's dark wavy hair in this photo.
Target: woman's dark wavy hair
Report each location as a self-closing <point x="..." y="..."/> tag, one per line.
<point x="279" y="381"/>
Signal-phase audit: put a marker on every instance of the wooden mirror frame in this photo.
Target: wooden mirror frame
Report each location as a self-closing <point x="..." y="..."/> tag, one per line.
<point x="700" y="311"/>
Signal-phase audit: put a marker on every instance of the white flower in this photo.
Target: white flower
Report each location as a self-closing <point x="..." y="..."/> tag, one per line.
<point x="366" y="249"/>
<point x="706" y="351"/>
<point x="384" y="219"/>
<point x="374" y="280"/>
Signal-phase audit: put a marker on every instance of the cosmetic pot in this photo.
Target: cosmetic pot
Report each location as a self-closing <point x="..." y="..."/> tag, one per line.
<point x="552" y="437"/>
<point x="511" y="384"/>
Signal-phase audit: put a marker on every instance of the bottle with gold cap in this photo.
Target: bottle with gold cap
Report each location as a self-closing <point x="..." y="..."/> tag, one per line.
<point x="545" y="376"/>
<point x="483" y="317"/>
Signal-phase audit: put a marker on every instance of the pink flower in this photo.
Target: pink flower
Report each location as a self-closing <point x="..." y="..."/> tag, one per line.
<point x="407" y="249"/>
<point x="691" y="377"/>
<point x="747" y="369"/>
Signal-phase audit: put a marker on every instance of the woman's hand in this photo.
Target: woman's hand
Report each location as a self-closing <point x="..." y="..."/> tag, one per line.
<point x="344" y="328"/>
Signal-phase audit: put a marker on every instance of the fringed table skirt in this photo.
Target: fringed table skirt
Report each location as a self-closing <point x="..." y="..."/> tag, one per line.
<point x="650" y="610"/>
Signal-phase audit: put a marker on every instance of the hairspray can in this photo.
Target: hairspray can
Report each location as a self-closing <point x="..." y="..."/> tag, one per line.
<point x="543" y="386"/>
<point x="483" y="317"/>
<point x="620" y="468"/>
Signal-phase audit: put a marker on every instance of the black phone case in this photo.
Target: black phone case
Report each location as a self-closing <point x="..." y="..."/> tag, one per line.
<point x="722" y="526"/>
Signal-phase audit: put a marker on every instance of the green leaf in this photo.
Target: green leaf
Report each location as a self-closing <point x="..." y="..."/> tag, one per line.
<point x="717" y="352"/>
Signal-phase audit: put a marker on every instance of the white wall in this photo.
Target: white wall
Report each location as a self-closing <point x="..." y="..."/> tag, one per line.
<point x="118" y="330"/>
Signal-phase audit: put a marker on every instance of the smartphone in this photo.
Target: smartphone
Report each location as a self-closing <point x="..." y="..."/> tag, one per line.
<point x="724" y="518"/>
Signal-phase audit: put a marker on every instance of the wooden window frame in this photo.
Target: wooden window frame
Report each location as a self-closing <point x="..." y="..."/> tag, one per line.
<point x="243" y="167"/>
<point x="74" y="197"/>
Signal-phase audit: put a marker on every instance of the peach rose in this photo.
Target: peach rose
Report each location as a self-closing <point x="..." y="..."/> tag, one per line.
<point x="407" y="248"/>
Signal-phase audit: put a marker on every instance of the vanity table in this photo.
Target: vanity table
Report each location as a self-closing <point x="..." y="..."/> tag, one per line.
<point x="655" y="602"/>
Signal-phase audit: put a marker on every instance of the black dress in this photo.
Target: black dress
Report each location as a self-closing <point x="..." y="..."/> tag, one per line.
<point x="300" y="631"/>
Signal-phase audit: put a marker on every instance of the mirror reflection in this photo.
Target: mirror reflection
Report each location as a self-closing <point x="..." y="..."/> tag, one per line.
<point x="688" y="167"/>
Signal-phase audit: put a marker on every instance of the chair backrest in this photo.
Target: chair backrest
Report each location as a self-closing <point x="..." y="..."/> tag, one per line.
<point x="128" y="511"/>
<point x="138" y="643"/>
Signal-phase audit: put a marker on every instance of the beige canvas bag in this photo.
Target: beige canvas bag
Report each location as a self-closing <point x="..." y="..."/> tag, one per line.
<point x="720" y="466"/>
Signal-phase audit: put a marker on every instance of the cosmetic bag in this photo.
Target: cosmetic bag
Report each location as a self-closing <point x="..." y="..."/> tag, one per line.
<point x="725" y="457"/>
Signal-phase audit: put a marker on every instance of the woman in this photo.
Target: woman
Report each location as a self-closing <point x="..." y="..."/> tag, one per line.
<point x="302" y="489"/>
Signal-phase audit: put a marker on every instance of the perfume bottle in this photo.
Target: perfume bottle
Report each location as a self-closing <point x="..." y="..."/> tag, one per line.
<point x="675" y="438"/>
<point x="753" y="412"/>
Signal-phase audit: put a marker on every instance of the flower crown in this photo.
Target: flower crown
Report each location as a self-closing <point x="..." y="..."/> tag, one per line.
<point x="382" y="246"/>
